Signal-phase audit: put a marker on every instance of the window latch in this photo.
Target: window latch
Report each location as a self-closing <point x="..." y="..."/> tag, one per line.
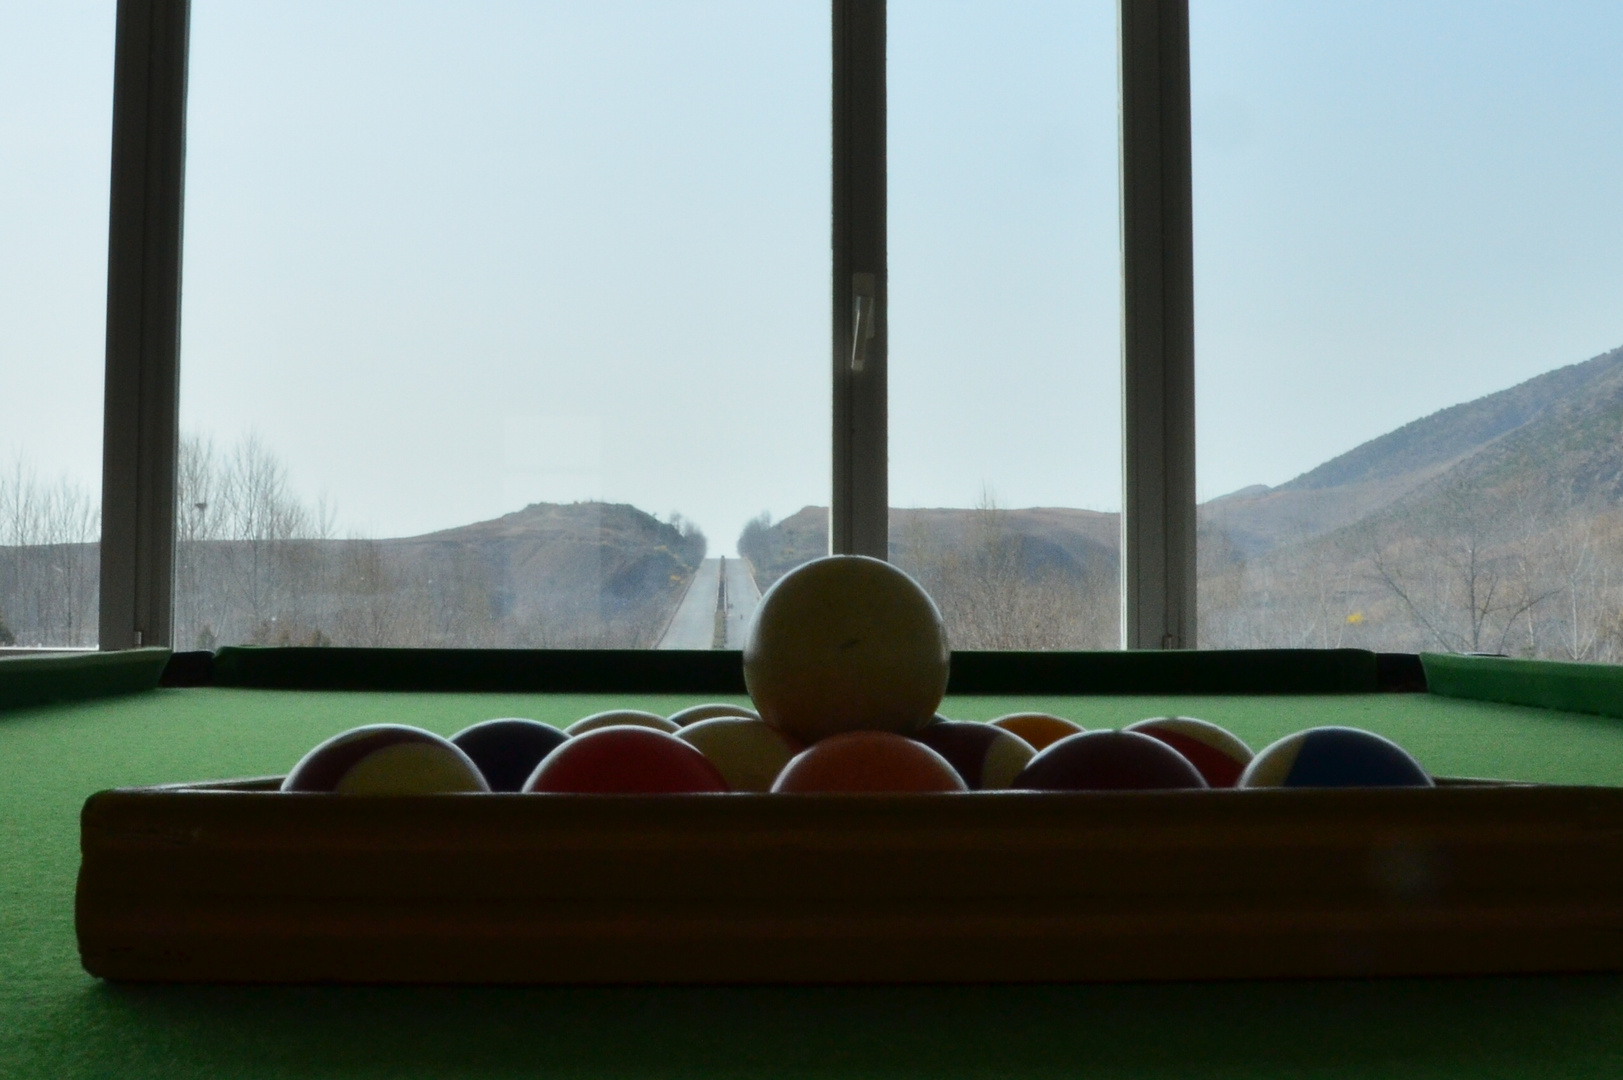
<point x="863" y="299"/>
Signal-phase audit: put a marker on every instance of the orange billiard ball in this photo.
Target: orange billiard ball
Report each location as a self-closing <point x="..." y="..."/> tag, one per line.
<point x="868" y="761"/>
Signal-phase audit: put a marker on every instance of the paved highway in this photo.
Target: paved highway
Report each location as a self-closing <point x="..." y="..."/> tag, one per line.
<point x="742" y="596"/>
<point x="694" y="624"/>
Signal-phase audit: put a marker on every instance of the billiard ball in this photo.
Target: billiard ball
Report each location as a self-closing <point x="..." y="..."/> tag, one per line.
<point x="868" y="761"/>
<point x="622" y="718"/>
<point x="508" y="749"/>
<point x="1334" y="757"/>
<point x="1108" y="761"/>
<point x="747" y="751"/>
<point x="846" y="643"/>
<point x="385" y="759"/>
<point x="694" y="713"/>
<point x="1041" y="730"/>
<point x="626" y="760"/>
<point x="987" y="757"/>
<point x="1219" y="755"/>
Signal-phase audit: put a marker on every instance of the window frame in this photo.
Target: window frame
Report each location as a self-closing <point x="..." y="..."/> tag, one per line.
<point x="146" y="225"/>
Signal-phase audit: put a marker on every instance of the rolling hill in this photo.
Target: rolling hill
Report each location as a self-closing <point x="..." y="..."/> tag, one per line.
<point x="1495" y="524"/>
<point x="1562" y="431"/>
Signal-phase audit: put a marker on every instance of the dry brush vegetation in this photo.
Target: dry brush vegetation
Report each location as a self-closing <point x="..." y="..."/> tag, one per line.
<point x="1521" y="570"/>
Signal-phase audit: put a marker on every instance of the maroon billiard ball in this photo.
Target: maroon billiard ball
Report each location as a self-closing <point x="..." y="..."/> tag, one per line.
<point x="1109" y="761"/>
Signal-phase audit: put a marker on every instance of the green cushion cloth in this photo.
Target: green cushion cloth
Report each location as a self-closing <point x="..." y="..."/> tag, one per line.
<point x="1546" y="684"/>
<point x="38" y="680"/>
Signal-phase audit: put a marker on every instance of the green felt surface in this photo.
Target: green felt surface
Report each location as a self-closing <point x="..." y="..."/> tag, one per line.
<point x="55" y="1021"/>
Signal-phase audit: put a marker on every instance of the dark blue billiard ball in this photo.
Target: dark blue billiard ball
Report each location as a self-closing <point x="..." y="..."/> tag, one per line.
<point x="508" y="749"/>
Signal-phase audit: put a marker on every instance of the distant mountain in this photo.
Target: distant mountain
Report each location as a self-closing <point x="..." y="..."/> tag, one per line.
<point x="1560" y="429"/>
<point x="608" y="556"/>
<point x="1039" y="578"/>
<point x="1049" y="539"/>
<point x="1494" y="525"/>
<point x="572" y="575"/>
<point x="557" y="574"/>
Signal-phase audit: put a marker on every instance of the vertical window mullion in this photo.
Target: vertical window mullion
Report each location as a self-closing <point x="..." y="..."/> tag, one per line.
<point x="859" y="515"/>
<point x="1158" y="338"/>
<point x="143" y="323"/>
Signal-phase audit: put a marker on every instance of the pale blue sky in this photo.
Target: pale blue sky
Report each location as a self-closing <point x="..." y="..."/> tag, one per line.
<point x="1399" y="205"/>
<point x="448" y="259"/>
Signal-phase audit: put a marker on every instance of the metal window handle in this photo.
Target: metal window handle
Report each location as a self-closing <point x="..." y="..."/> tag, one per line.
<point x="863" y="301"/>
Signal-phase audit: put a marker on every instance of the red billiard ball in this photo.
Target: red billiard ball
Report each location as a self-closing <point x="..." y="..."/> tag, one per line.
<point x="1219" y="755"/>
<point x="625" y="761"/>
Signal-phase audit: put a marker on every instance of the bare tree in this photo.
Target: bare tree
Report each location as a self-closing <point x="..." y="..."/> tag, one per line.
<point x="1462" y="572"/>
<point x="249" y="556"/>
<point x="994" y="594"/>
<point x="49" y="568"/>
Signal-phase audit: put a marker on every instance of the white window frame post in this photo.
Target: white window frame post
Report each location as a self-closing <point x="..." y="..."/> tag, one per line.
<point x="859" y="517"/>
<point x="141" y="420"/>
<point x="1158" y="329"/>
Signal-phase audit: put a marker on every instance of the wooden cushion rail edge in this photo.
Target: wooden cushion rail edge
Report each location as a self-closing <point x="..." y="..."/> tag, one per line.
<point x="1242" y="671"/>
<point x="208" y="883"/>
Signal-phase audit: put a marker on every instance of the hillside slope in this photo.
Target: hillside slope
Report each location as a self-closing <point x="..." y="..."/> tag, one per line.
<point x="1494" y="526"/>
<point x="612" y="560"/>
<point x="1039" y="578"/>
<point x="551" y="575"/>
<point x="1049" y="539"/>
<point x="1559" y="427"/>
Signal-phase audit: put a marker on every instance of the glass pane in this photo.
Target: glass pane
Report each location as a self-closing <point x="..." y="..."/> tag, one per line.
<point x="501" y="320"/>
<point x="56" y="108"/>
<point x="1409" y="255"/>
<point x="1005" y="429"/>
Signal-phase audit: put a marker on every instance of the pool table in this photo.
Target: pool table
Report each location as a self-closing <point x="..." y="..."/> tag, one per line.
<point x="244" y="714"/>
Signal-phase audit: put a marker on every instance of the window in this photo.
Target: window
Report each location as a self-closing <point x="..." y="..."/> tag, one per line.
<point x="1409" y="257"/>
<point x="344" y="279"/>
<point x="56" y="82"/>
<point x="1005" y="324"/>
<point x="501" y="322"/>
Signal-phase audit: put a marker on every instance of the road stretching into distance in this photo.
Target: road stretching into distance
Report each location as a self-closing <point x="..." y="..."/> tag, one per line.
<point x="720" y="587"/>
<point x="741" y="597"/>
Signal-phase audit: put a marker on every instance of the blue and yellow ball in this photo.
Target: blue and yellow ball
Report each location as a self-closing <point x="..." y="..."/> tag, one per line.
<point x="1334" y="757"/>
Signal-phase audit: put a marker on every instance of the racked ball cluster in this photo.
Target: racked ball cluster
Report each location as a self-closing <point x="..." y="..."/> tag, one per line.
<point x="846" y="661"/>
